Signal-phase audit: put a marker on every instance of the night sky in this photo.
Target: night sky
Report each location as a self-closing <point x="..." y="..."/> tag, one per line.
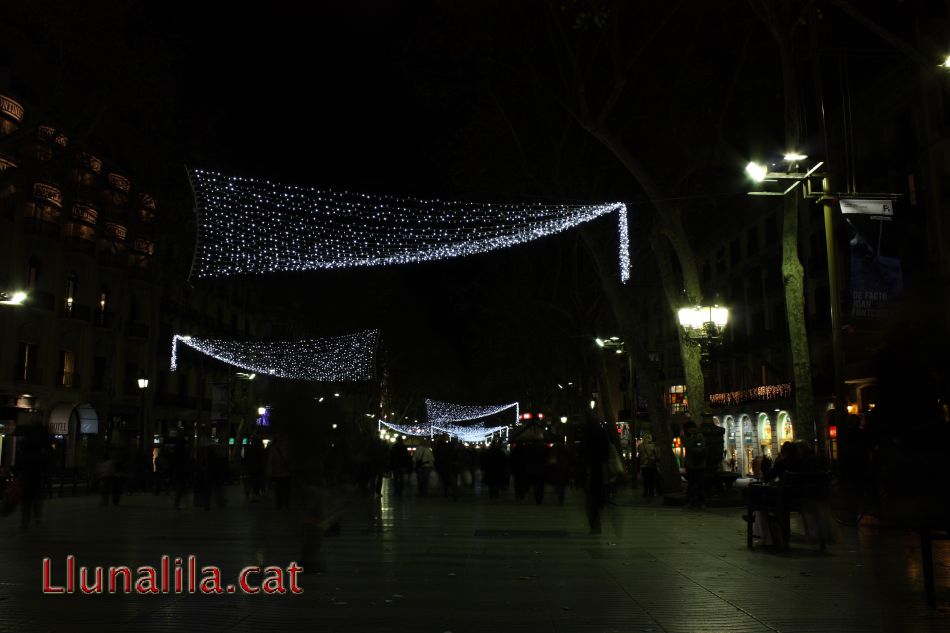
<point x="428" y="99"/>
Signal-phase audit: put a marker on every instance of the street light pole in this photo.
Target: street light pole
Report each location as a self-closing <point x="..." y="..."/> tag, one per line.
<point x="841" y="403"/>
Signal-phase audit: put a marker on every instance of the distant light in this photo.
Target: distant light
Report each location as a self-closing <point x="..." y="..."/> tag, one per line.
<point x="563" y="419"/>
<point x="599" y="341"/>
<point x="336" y="395"/>
<point x="540" y="416"/>
<point x="560" y="386"/>
<point x="614" y="338"/>
<point x="619" y="351"/>
<point x="17" y="298"/>
<point x="946" y="62"/>
<point x="261" y="410"/>
<point x="756" y="171"/>
<point x="143" y="383"/>
<point x="593" y="404"/>
<point x="320" y="399"/>
<point x="334" y="425"/>
<point x="369" y="415"/>
<point x="794" y="157"/>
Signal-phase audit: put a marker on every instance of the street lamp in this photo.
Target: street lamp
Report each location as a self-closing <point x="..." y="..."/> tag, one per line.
<point x="12" y="298"/>
<point x="703" y="324"/>
<point x="261" y="410"/>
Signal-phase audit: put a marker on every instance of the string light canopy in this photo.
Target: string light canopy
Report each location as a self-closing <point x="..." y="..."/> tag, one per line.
<point x="474" y="433"/>
<point x="251" y="227"/>
<point x="444" y="413"/>
<point x="351" y="357"/>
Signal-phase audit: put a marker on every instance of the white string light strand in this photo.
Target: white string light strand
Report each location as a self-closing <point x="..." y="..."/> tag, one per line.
<point x="351" y="357"/>
<point x="441" y="413"/>
<point x="250" y="227"/>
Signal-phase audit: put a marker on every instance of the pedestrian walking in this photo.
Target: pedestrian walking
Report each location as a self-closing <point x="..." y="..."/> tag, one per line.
<point x="695" y="445"/>
<point x="649" y="463"/>
<point x="399" y="465"/>
<point x="595" y="453"/>
<point x="424" y="461"/>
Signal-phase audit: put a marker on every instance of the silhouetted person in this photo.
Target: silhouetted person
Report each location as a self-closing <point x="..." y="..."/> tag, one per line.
<point x="399" y="464"/>
<point x="180" y="469"/>
<point x="649" y="464"/>
<point x="559" y="469"/>
<point x="425" y="461"/>
<point x="695" y="445"/>
<point x="595" y="452"/>
<point x="536" y="466"/>
<point x="278" y="468"/>
<point x="519" y="469"/>
<point x="495" y="468"/>
<point x="30" y="469"/>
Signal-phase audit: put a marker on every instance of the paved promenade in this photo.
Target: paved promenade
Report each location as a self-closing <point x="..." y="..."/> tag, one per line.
<point x="475" y="565"/>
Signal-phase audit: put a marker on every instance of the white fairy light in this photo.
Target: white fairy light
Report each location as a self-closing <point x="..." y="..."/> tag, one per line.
<point x="477" y="433"/>
<point x="351" y="357"/>
<point x="417" y="430"/>
<point x="248" y="227"/>
<point x="440" y="413"/>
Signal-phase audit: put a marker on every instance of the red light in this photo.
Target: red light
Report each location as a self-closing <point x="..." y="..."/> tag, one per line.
<point x="832" y="431"/>
<point x="527" y="416"/>
<point x="540" y="416"/>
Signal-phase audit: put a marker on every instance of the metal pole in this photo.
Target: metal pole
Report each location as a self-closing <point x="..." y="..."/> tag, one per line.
<point x="632" y="389"/>
<point x="841" y="402"/>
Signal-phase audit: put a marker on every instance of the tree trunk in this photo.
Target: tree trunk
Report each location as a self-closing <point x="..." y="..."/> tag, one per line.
<point x="651" y="382"/>
<point x="793" y="273"/>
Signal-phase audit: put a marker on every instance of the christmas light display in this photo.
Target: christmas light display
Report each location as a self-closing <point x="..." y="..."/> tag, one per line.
<point x="765" y="392"/>
<point x="248" y="227"/>
<point x="476" y="433"/>
<point x="418" y="430"/>
<point x="351" y="357"/>
<point x="443" y="413"/>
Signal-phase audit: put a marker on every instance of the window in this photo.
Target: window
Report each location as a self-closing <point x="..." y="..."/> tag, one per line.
<point x="33" y="274"/>
<point x="99" y="373"/>
<point x="67" y="369"/>
<point x="678" y="401"/>
<point x="26" y="369"/>
<point x="103" y="304"/>
<point x="71" y="284"/>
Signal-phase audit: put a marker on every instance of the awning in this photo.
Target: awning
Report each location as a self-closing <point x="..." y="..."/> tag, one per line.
<point x="88" y="419"/>
<point x="61" y="413"/>
<point x="59" y="418"/>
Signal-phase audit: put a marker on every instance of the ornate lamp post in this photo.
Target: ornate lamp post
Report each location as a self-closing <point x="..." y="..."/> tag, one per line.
<point x="703" y="325"/>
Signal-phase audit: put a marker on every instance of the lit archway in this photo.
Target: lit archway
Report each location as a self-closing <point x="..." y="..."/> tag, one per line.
<point x="764" y="425"/>
<point x="745" y="443"/>
<point x="733" y="460"/>
<point x="784" y="427"/>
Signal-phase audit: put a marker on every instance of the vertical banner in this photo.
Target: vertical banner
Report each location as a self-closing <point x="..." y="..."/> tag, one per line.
<point x="876" y="275"/>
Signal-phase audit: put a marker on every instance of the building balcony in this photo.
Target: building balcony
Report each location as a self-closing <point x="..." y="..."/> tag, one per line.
<point x="28" y="375"/>
<point x="103" y="319"/>
<point x="69" y="380"/>
<point x="76" y="312"/>
<point x="39" y="299"/>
